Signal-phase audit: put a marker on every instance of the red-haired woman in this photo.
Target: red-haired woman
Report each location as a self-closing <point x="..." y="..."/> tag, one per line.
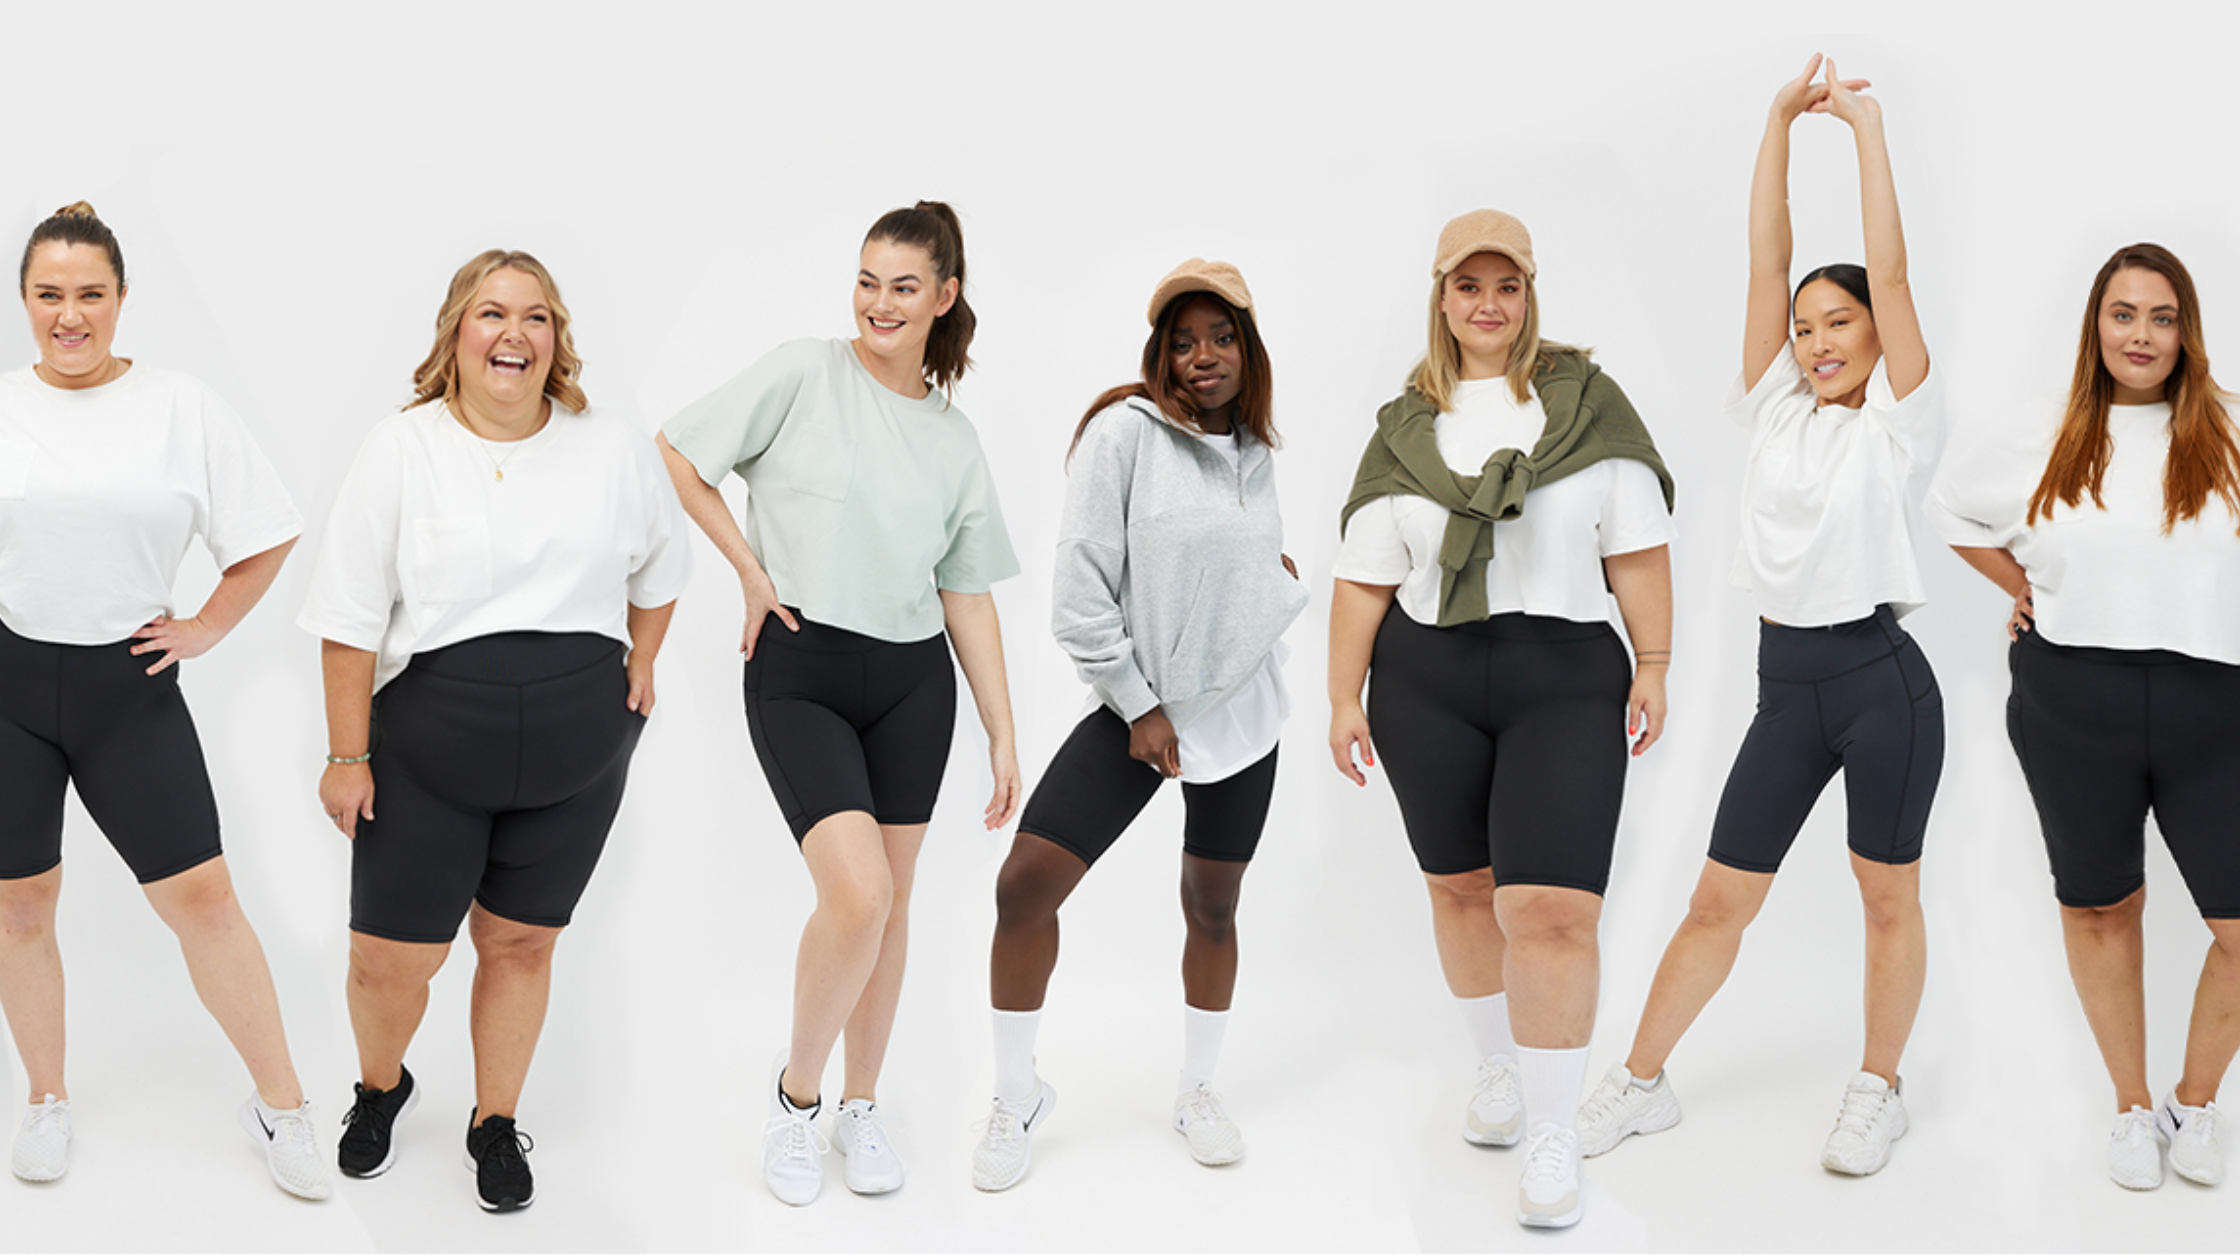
<point x="2124" y="565"/>
<point x="1171" y="595"/>
<point x="872" y="540"/>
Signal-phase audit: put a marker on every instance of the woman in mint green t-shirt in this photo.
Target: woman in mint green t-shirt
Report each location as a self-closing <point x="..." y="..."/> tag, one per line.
<point x="871" y="528"/>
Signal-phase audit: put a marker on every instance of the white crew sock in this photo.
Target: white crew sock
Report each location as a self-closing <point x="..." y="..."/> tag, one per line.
<point x="1201" y="1046"/>
<point x="1553" y="1080"/>
<point x="1015" y="1053"/>
<point x="1487" y="1018"/>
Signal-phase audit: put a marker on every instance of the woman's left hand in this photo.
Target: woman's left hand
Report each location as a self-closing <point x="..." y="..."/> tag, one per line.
<point x="1005" y="766"/>
<point x="1645" y="707"/>
<point x="1844" y="101"/>
<point x="178" y="639"/>
<point x="639" y="670"/>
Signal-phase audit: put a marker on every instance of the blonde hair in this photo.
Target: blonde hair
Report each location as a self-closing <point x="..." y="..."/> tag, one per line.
<point x="438" y="374"/>
<point x="1440" y="370"/>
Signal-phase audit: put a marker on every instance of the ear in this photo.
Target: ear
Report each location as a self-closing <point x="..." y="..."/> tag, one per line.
<point x="121" y="291"/>
<point x="949" y="290"/>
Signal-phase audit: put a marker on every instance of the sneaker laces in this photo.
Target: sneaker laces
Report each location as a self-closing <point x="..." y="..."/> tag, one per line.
<point x="1861" y="1109"/>
<point x="1603" y="1103"/>
<point x="292" y="1130"/>
<point x="801" y="1142"/>
<point x="2200" y="1122"/>
<point x="2135" y="1126"/>
<point x="1550" y="1155"/>
<point x="378" y="1120"/>
<point x="1204" y="1104"/>
<point x="865" y="1134"/>
<point x="45" y="1118"/>
<point x="508" y="1149"/>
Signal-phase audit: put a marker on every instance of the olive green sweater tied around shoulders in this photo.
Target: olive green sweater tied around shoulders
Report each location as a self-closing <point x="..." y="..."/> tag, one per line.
<point x="1589" y="420"/>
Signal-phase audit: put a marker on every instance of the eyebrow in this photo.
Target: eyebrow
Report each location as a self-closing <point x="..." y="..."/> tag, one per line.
<point x="906" y="276"/>
<point x="1829" y="313"/>
<point x="2152" y="310"/>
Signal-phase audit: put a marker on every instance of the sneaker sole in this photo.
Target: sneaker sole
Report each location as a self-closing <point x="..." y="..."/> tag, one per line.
<point x="502" y="1205"/>
<point x="2198" y="1176"/>
<point x="39" y="1178"/>
<point x="1494" y="1137"/>
<point x="389" y="1160"/>
<point x="1656" y="1120"/>
<point x="1542" y="1220"/>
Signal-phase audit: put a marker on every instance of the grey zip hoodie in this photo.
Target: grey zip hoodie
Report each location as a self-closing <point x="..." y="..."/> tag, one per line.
<point x="1170" y="587"/>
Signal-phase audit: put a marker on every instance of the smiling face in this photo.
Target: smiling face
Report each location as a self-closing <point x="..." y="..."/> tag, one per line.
<point x="1205" y="352"/>
<point x="2139" y="334"/>
<point x="898" y="297"/>
<point x="1835" y="343"/>
<point x="1485" y="299"/>
<point x="73" y="297"/>
<point x="505" y="347"/>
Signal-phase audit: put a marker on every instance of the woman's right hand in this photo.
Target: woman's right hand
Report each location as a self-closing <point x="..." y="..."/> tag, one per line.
<point x="762" y="602"/>
<point x="2023" y="617"/>
<point x="346" y="793"/>
<point x="1804" y="95"/>
<point x="1152" y="741"/>
<point x="1349" y="727"/>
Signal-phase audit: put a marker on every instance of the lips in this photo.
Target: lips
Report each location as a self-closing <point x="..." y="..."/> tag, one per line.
<point x="2141" y="359"/>
<point x="1208" y="383"/>
<point x="509" y="364"/>
<point x="1825" y="368"/>
<point x="73" y="340"/>
<point x="883" y="325"/>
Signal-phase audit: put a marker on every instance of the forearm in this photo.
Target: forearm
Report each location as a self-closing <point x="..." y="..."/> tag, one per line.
<point x="977" y="638"/>
<point x="1770" y="242"/>
<point x="241" y="587"/>
<point x="1998" y="564"/>
<point x="1642" y="581"/>
<point x="1356" y="610"/>
<point x="1878" y="206"/>
<point x="704" y="504"/>
<point x="648" y="627"/>
<point x="348" y="675"/>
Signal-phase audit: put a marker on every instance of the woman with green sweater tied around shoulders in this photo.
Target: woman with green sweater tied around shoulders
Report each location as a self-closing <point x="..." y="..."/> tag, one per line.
<point x="1846" y="423"/>
<point x="1501" y="501"/>
<point x="872" y="529"/>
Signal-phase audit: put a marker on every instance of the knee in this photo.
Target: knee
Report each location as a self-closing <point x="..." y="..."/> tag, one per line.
<point x="512" y="946"/>
<point x="380" y="964"/>
<point x="1467" y="891"/>
<point x="1209" y="909"/>
<point x="1890" y="909"/>
<point x="1553" y="918"/>
<point x="1024" y="895"/>
<point x="197" y="900"/>
<point x="859" y="906"/>
<point x="2110" y="922"/>
<point x="27" y="908"/>
<point x="1719" y="912"/>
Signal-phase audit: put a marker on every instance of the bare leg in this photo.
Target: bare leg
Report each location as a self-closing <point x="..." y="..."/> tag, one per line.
<point x="1897" y="959"/>
<point x="2215" y="1032"/>
<point x="840" y="944"/>
<point x="388" y="993"/>
<point x="31" y="978"/>
<point x="1472" y="949"/>
<point x="512" y="985"/>
<point x="229" y="972"/>
<point x="1554" y="963"/>
<point x="1036" y="879"/>
<point x="871" y="1023"/>
<point x="2107" y="954"/>
<point x="1697" y="962"/>
<point x="1209" y="944"/>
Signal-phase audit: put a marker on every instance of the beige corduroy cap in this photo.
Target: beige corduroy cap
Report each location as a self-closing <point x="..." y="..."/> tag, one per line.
<point x="1483" y="232"/>
<point x="1199" y="276"/>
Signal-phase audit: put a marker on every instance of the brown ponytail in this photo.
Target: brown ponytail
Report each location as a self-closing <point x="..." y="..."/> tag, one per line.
<point x="74" y="224"/>
<point x="933" y="227"/>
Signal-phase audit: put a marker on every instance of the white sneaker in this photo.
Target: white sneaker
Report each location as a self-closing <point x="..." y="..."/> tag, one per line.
<point x="1873" y="1116"/>
<point x="1000" y="1160"/>
<point x="1214" y="1139"/>
<point x="42" y="1150"/>
<point x="1548" y="1197"/>
<point x="291" y="1151"/>
<point x="2135" y="1151"/>
<point x="1495" y="1116"/>
<point x="1618" y="1108"/>
<point x="792" y="1149"/>
<point x="2192" y="1132"/>
<point x="873" y="1166"/>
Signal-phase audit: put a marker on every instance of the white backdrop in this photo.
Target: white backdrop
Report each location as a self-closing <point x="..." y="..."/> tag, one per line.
<point x="294" y="186"/>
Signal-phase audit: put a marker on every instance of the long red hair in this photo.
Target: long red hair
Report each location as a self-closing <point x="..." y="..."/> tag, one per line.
<point x="2203" y="455"/>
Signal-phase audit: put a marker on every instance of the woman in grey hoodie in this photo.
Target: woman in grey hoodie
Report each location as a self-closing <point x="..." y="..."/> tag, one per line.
<point x="1172" y="594"/>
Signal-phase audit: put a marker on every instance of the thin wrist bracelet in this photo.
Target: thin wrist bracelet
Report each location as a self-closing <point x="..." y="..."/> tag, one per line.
<point x="360" y="759"/>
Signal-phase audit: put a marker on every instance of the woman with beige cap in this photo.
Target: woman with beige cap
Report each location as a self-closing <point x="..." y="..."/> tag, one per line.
<point x="1171" y="595"/>
<point x="1499" y="494"/>
<point x="1845" y="426"/>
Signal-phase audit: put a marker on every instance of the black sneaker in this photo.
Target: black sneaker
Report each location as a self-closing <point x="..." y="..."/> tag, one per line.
<point x="498" y="1154"/>
<point x="365" y="1147"/>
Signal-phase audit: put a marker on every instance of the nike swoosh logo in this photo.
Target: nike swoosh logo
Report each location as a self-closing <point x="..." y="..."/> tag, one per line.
<point x="262" y="1125"/>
